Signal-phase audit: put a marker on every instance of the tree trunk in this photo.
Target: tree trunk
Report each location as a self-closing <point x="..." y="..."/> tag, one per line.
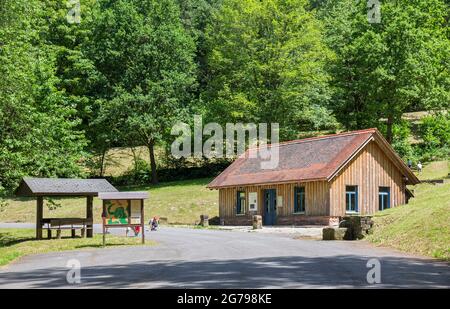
<point x="102" y="163"/>
<point x="390" y="122"/>
<point x="135" y="160"/>
<point x="151" y="150"/>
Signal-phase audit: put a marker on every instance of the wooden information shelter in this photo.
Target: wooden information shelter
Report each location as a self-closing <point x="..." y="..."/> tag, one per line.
<point x="63" y="187"/>
<point x="123" y="210"/>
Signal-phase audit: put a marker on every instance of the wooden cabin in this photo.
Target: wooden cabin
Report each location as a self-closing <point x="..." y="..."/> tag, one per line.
<point x="318" y="180"/>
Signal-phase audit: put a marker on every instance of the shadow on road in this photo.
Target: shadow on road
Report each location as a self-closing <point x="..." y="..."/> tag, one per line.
<point x="295" y="272"/>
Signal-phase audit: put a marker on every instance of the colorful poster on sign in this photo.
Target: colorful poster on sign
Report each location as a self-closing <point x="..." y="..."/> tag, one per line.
<point x="117" y="212"/>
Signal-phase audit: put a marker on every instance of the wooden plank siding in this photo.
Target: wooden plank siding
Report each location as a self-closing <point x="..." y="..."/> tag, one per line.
<point x="316" y="200"/>
<point x="369" y="170"/>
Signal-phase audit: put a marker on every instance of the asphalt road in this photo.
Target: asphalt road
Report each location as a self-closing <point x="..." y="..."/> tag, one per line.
<point x="190" y="258"/>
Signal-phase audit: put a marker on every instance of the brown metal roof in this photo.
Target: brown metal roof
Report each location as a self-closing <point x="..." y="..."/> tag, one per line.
<point x="63" y="187"/>
<point x="123" y="195"/>
<point x="310" y="159"/>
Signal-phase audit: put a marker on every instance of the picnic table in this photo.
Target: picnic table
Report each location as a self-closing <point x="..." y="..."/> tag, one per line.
<point x="73" y="224"/>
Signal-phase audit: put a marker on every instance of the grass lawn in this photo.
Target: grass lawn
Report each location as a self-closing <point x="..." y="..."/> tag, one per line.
<point x="435" y="170"/>
<point x="15" y="243"/>
<point x="121" y="160"/>
<point x="422" y="226"/>
<point x="181" y="202"/>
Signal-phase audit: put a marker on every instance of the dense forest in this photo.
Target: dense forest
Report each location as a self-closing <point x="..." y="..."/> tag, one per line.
<point x="120" y="73"/>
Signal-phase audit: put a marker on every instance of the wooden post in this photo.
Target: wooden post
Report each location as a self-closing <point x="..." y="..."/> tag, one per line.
<point x="39" y="216"/>
<point x="104" y="223"/>
<point x="142" y="222"/>
<point x="90" y="216"/>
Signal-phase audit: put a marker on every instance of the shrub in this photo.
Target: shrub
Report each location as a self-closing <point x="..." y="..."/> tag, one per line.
<point x="401" y="144"/>
<point x="435" y="130"/>
<point x="3" y="203"/>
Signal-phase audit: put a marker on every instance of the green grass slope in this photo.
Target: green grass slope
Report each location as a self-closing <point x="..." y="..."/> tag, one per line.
<point x="422" y="226"/>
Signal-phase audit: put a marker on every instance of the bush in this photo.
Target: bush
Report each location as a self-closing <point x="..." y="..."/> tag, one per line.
<point x="435" y="134"/>
<point x="427" y="154"/>
<point x="401" y="144"/>
<point x="3" y="203"/>
<point x="435" y="131"/>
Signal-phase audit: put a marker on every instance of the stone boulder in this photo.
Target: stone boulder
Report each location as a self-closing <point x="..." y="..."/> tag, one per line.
<point x="257" y="222"/>
<point x="334" y="233"/>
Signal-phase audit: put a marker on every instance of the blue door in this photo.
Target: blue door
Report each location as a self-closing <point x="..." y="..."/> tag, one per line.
<point x="270" y="207"/>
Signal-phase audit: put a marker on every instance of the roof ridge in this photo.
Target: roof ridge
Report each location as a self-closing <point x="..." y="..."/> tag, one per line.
<point x="308" y="139"/>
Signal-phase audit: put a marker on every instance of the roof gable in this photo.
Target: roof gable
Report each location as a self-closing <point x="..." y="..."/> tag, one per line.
<point x="309" y="159"/>
<point x="63" y="187"/>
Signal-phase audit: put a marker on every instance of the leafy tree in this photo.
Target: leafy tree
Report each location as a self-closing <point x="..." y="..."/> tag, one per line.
<point x="196" y="15"/>
<point x="147" y="58"/>
<point x="77" y="75"/>
<point x="385" y="69"/>
<point x="266" y="63"/>
<point x="38" y="135"/>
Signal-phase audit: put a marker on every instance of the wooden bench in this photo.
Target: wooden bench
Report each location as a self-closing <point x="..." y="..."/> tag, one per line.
<point x="72" y="224"/>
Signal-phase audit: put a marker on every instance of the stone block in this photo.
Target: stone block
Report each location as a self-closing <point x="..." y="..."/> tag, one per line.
<point x="334" y="233"/>
<point x="257" y="222"/>
<point x="340" y="233"/>
<point x="204" y="220"/>
<point x="358" y="226"/>
<point x="328" y="233"/>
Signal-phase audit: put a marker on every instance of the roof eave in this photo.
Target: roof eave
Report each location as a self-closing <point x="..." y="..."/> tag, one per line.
<point x="267" y="183"/>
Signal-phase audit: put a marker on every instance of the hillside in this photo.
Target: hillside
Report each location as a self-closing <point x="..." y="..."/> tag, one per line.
<point x="422" y="226"/>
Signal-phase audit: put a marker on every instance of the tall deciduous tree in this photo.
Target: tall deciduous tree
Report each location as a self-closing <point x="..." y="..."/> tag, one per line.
<point x="267" y="63"/>
<point x="385" y="69"/>
<point x="38" y="126"/>
<point x="147" y="57"/>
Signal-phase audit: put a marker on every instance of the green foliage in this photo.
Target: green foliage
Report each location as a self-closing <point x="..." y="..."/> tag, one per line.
<point x="266" y="63"/>
<point x="147" y="57"/>
<point x="401" y="142"/>
<point x="3" y="203"/>
<point x="38" y="131"/>
<point x="435" y="131"/>
<point x="382" y="70"/>
<point x="131" y="68"/>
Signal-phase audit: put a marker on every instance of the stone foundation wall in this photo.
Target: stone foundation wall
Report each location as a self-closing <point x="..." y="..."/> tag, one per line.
<point x="307" y="220"/>
<point x="285" y="220"/>
<point x="358" y="226"/>
<point x="237" y="220"/>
